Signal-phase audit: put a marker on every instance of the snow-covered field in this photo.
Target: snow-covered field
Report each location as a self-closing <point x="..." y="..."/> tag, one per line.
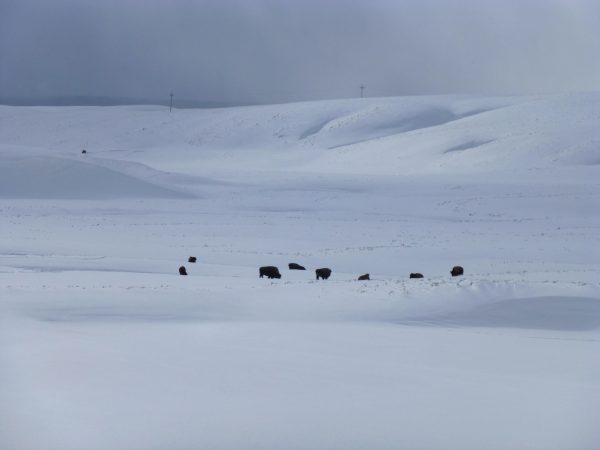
<point x="104" y="346"/>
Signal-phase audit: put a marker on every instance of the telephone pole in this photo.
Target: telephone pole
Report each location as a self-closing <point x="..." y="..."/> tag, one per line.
<point x="171" y="104"/>
<point x="362" y="88"/>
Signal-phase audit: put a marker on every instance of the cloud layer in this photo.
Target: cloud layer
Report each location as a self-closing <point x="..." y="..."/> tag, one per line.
<point x="281" y="50"/>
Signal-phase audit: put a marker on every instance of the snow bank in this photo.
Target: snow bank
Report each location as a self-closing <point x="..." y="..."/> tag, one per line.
<point x="167" y="382"/>
<point x="39" y="176"/>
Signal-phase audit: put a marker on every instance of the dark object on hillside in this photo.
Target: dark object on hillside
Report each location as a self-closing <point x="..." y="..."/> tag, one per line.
<point x="192" y="259"/>
<point x="294" y="266"/>
<point x="456" y="271"/>
<point x="323" y="273"/>
<point x="269" y="272"/>
<point x="416" y="275"/>
<point x="364" y="277"/>
<point x="84" y="151"/>
<point x="182" y="271"/>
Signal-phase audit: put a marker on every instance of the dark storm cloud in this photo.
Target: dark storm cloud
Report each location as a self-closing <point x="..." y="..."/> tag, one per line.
<point x="280" y="50"/>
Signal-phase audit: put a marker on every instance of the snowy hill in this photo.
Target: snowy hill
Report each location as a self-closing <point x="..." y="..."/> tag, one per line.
<point x="103" y="345"/>
<point x="363" y="136"/>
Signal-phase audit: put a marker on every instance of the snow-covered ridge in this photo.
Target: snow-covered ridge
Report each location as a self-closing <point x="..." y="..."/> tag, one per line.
<point x="405" y="135"/>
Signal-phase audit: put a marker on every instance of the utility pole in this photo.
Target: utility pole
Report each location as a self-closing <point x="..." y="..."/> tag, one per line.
<point x="362" y="88"/>
<point x="171" y="104"/>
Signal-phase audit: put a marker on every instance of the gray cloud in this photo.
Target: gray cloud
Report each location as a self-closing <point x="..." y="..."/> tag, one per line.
<point x="281" y="50"/>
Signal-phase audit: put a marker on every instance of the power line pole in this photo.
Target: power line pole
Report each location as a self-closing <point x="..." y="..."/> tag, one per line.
<point x="171" y="104"/>
<point x="362" y="88"/>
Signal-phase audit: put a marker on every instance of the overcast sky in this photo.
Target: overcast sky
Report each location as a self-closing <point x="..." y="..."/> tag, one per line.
<point x="281" y="50"/>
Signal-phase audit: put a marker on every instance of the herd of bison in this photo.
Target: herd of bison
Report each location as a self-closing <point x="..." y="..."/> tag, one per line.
<point x="322" y="273"/>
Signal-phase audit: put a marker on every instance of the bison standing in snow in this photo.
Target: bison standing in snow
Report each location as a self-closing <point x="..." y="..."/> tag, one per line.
<point x="182" y="271"/>
<point x="416" y="275"/>
<point x="294" y="266"/>
<point x="269" y="272"/>
<point x="364" y="277"/>
<point x="323" y="273"/>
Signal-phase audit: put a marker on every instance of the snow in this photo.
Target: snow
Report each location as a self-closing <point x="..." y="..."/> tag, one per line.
<point x="104" y="346"/>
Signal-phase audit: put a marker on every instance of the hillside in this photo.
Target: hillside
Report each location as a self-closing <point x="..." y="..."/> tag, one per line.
<point x="388" y="136"/>
<point x="103" y="345"/>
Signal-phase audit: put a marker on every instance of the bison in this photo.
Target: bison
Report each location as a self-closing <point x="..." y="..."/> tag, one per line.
<point x="182" y="271"/>
<point x="323" y="273"/>
<point x="364" y="277"/>
<point x="192" y="259"/>
<point x="294" y="266"/>
<point x="416" y="275"/>
<point x="457" y="271"/>
<point x="269" y="272"/>
<point x="84" y="151"/>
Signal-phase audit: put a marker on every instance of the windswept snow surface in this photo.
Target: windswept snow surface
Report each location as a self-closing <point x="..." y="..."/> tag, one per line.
<point x="104" y="346"/>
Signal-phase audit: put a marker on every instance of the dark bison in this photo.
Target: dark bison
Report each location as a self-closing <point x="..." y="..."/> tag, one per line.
<point x="323" y="273"/>
<point x="84" y="151"/>
<point x="364" y="277"/>
<point x="269" y="272"/>
<point x="294" y="266"/>
<point x="416" y="275"/>
<point x="457" y="271"/>
<point x="182" y="271"/>
<point x="192" y="259"/>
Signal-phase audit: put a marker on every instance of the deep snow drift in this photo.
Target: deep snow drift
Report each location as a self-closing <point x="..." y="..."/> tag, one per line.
<point x="104" y="346"/>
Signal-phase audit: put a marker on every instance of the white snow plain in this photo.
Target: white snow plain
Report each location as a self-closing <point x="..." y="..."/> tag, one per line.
<point x="104" y="346"/>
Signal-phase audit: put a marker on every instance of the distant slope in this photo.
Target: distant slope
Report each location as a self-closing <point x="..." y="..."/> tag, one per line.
<point x="376" y="136"/>
<point x="52" y="177"/>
